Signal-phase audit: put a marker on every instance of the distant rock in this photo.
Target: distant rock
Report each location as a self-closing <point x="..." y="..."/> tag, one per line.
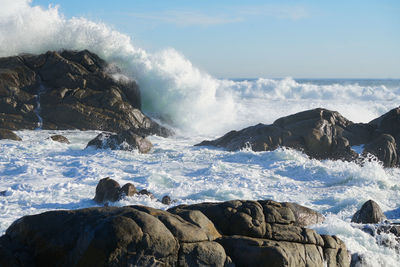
<point x="60" y="139"/>
<point x="166" y="200"/>
<point x="76" y="90"/>
<point x="128" y="190"/>
<point x="370" y="212"/>
<point x="146" y="193"/>
<point x="187" y="235"/>
<point x="321" y="134"/>
<point x="126" y="140"/>
<point x="7" y="134"/>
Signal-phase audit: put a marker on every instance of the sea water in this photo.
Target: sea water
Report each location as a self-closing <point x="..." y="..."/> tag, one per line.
<point x="39" y="174"/>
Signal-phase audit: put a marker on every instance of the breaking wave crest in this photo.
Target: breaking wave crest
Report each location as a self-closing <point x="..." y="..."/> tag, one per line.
<point x="175" y="90"/>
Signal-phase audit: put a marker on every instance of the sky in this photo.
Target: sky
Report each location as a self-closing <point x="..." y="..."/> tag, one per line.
<point x="253" y="38"/>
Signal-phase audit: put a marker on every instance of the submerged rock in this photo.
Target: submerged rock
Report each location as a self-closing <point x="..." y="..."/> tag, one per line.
<point x="126" y="140"/>
<point x="76" y="90"/>
<point x="60" y="139"/>
<point x="187" y="235"/>
<point x="370" y="212"/>
<point x="321" y="134"/>
<point x="7" y="134"/>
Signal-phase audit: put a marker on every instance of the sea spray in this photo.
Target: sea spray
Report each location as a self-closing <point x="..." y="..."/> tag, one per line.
<point x="174" y="89"/>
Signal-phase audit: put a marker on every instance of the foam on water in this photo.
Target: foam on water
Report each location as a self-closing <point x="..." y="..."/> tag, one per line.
<point x="39" y="174"/>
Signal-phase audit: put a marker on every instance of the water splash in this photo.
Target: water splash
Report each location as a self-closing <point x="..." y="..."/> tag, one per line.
<point x="42" y="90"/>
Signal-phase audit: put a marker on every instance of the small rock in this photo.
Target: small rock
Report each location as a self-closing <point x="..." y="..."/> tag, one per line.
<point x="146" y="192"/>
<point x="60" y="139"/>
<point x="166" y="200"/>
<point x="384" y="148"/>
<point x="107" y="190"/>
<point x="7" y="134"/>
<point x="128" y="190"/>
<point x="370" y="212"/>
<point x="3" y="193"/>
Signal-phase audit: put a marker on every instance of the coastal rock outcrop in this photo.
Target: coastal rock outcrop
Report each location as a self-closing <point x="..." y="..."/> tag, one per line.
<point x="321" y="134"/>
<point x="370" y="212"/>
<point x="125" y="140"/>
<point x="7" y="134"/>
<point x="256" y="233"/>
<point x="69" y="90"/>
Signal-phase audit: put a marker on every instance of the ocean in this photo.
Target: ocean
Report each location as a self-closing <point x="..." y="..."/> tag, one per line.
<point x="39" y="174"/>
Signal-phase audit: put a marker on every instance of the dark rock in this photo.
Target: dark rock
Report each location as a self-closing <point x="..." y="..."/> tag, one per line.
<point x="202" y="254"/>
<point x="247" y="251"/>
<point x="128" y="190"/>
<point x="388" y="123"/>
<point x="3" y="193"/>
<point x="60" y="139"/>
<point x="384" y="148"/>
<point x="166" y="200"/>
<point x="126" y="140"/>
<point x="7" y="134"/>
<point x="370" y="212"/>
<point x="183" y="236"/>
<point x="147" y="193"/>
<point x="77" y="91"/>
<point x="304" y="216"/>
<point x="318" y="132"/>
<point x="107" y="190"/>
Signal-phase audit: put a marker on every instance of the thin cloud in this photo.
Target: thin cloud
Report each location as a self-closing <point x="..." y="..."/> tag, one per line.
<point x="237" y="14"/>
<point x="277" y="11"/>
<point x="186" y="18"/>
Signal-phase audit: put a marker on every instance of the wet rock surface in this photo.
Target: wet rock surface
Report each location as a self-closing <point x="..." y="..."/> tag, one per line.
<point x="126" y="140"/>
<point x="370" y="212"/>
<point x="233" y="233"/>
<point x="60" y="139"/>
<point x="321" y="134"/>
<point x="69" y="90"/>
<point x="7" y="134"/>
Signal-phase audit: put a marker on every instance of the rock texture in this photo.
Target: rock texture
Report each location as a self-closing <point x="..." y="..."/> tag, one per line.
<point x="321" y="134"/>
<point x="246" y="233"/>
<point x="7" y="134"/>
<point x="60" y="139"/>
<point x="370" y="212"/>
<point x="125" y="140"/>
<point x="76" y="90"/>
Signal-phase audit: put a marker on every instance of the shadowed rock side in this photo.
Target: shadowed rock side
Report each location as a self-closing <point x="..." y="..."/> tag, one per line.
<point x="233" y="233"/>
<point x="69" y="90"/>
<point x="7" y="134"/>
<point x="321" y="134"/>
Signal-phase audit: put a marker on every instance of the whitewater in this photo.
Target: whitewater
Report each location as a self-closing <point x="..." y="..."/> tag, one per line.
<point x="38" y="174"/>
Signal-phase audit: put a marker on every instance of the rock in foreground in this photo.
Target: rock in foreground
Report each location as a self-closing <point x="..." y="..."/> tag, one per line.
<point x="256" y="233"/>
<point x="69" y="90"/>
<point x="321" y="134"/>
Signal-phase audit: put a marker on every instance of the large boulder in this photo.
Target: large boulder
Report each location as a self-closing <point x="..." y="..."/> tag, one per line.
<point x="318" y="132"/>
<point x="370" y="212"/>
<point x="182" y="236"/>
<point x="126" y="140"/>
<point x="7" y="134"/>
<point x="76" y="90"/>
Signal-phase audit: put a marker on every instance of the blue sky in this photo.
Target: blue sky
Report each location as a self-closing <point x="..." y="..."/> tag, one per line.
<point x="231" y="38"/>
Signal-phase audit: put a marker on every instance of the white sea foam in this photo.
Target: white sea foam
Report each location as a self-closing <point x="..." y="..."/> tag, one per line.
<point x="39" y="174"/>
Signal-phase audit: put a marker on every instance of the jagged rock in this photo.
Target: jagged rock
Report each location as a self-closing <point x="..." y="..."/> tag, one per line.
<point x="147" y="193"/>
<point x="76" y="90"/>
<point x="388" y="123"/>
<point x="107" y="190"/>
<point x="384" y="148"/>
<point x="335" y="252"/>
<point x="166" y="200"/>
<point x="370" y="212"/>
<point x="128" y="190"/>
<point x="7" y="134"/>
<point x="317" y="132"/>
<point x="60" y="139"/>
<point x="126" y="140"/>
